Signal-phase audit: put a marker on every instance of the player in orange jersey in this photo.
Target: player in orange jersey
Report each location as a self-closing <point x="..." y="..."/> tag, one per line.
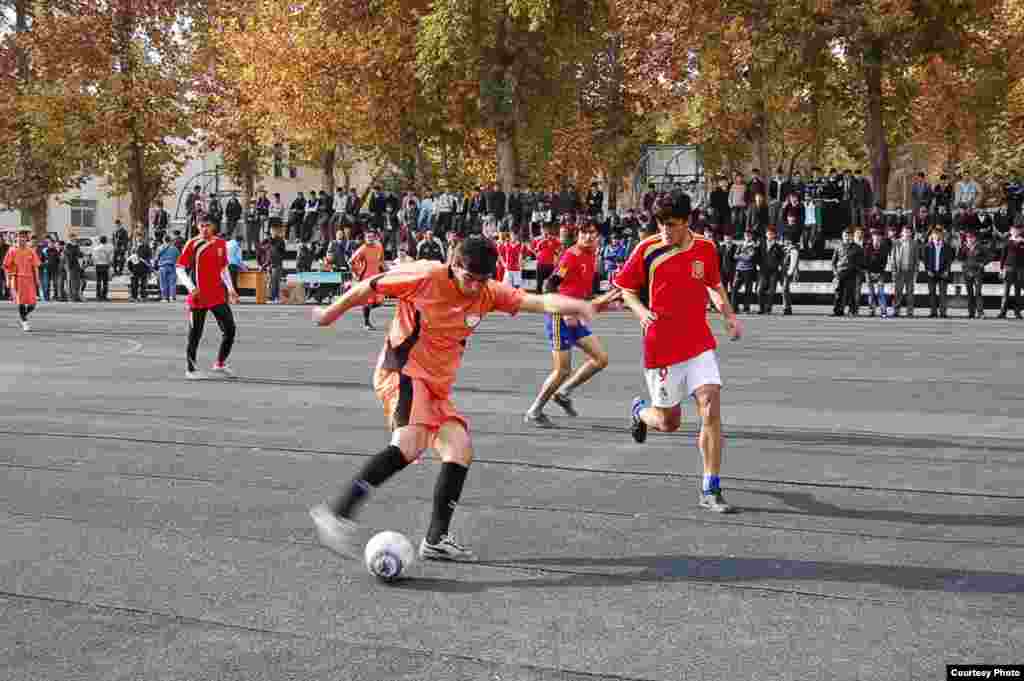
<point x="368" y="262"/>
<point x="439" y="308"/>
<point x="22" y="267"/>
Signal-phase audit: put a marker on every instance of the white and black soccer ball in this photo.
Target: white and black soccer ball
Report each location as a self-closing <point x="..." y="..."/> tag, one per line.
<point x="389" y="555"/>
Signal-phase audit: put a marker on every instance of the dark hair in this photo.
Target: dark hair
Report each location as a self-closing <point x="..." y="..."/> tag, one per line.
<point x="477" y="255"/>
<point x="674" y="206"/>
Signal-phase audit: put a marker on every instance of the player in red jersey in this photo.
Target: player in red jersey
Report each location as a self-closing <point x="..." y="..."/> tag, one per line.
<point x="439" y="308"/>
<point x="511" y="250"/>
<point x="546" y="248"/>
<point x="574" y="278"/>
<point x="203" y="269"/>
<point x="665" y="283"/>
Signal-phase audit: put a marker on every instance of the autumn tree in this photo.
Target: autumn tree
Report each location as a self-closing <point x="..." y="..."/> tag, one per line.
<point x="36" y="117"/>
<point x="132" y="58"/>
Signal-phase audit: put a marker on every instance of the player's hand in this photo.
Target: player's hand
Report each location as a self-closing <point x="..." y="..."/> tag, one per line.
<point x="647" y="321"/>
<point x="234" y="298"/>
<point x="735" y="327"/>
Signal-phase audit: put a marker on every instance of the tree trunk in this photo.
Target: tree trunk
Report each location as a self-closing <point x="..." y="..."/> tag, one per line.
<point x="327" y="168"/>
<point x="38" y="213"/>
<point x="248" y="186"/>
<point x="502" y="105"/>
<point x="614" y="182"/>
<point x="878" y="144"/>
<point x="507" y="154"/>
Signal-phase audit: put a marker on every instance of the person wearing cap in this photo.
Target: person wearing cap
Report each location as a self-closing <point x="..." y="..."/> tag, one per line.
<point x="439" y="308"/>
<point x="973" y="258"/>
<point x="938" y="263"/>
<point x="790" y="272"/>
<point x="773" y="258"/>
<point x="665" y="283"/>
<point x="1011" y="265"/>
<point x="21" y="267"/>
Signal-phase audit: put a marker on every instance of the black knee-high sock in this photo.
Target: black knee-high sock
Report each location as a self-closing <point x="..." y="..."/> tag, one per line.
<point x="366" y="314"/>
<point x="446" y="498"/>
<point x="377" y="470"/>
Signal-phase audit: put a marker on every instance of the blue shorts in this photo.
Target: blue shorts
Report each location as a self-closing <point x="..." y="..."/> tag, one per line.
<point x="562" y="336"/>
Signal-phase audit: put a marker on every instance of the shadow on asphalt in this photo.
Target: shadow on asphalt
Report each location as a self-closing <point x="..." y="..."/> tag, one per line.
<point x="580" y="572"/>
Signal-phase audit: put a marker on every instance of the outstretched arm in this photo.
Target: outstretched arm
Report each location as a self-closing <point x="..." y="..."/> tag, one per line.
<point x="358" y="295"/>
<point x="555" y="303"/>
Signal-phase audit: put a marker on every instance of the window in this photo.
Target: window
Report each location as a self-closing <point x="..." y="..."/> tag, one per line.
<point x="278" y="160"/>
<point x="83" y="213"/>
<point x="26" y="218"/>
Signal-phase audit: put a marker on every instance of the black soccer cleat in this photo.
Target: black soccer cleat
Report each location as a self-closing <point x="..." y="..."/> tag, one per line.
<point x="638" y="427"/>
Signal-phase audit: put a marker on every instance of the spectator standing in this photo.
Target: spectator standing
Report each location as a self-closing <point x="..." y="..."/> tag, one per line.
<point x="727" y="263"/>
<point x="966" y="192"/>
<point x="58" y="278"/>
<point x="73" y="266"/>
<point x="546" y="249"/>
<point x="775" y="195"/>
<point x="759" y="216"/>
<point x="748" y="256"/>
<point x="232" y="214"/>
<point x="943" y="193"/>
<point x="215" y="211"/>
<point x="790" y="274"/>
<point x="938" y="263"/>
<point x="792" y="215"/>
<point x="875" y="261"/>
<point x="235" y="262"/>
<point x="166" y="261"/>
<point x="139" y="268"/>
<point x="296" y="213"/>
<point x="861" y="196"/>
<point x="324" y="213"/>
<point x="309" y="220"/>
<point x="275" y="254"/>
<point x="974" y="257"/>
<point x="102" y="258"/>
<point x="719" y="202"/>
<point x="1011" y="264"/>
<point x="846" y="263"/>
<point x="904" y="261"/>
<point x="738" y="204"/>
<point x="920" y="194"/>
<point x="430" y="248"/>
<point x="773" y="258"/>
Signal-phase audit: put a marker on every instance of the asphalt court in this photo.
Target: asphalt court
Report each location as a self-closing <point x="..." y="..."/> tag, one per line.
<point x="154" y="528"/>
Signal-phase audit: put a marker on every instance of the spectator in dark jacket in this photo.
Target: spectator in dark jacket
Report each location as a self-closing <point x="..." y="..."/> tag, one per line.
<point x="938" y="263"/>
<point x="876" y="259"/>
<point x="773" y="260"/>
<point x="792" y="229"/>
<point x="974" y="257"/>
<point x="1012" y="266"/>
<point x="727" y="262"/>
<point x="847" y="261"/>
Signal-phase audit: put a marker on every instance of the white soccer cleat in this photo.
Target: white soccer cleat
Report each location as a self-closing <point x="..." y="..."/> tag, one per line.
<point x="447" y="548"/>
<point x="340" y="535"/>
<point x="25" y="326"/>
<point x="195" y="375"/>
<point x="223" y="370"/>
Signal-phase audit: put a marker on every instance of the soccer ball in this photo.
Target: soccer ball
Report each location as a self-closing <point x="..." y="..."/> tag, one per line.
<point x="389" y="555"/>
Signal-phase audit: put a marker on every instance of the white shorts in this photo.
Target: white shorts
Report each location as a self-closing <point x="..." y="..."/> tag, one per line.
<point x="514" y="278"/>
<point x="669" y="385"/>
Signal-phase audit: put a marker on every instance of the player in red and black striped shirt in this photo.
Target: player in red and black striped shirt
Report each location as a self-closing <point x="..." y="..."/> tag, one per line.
<point x="203" y="270"/>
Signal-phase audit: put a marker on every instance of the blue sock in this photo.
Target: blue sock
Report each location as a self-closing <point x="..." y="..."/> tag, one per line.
<point x="639" y="406"/>
<point x="711" y="483"/>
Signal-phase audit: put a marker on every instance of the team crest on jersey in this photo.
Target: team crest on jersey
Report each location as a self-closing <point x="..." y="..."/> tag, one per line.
<point x="698" y="269"/>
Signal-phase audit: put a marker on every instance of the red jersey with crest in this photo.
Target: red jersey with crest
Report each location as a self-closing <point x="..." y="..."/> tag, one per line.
<point x="206" y="259"/>
<point x="546" y="249"/>
<point x="673" y="284"/>
<point x="576" y="269"/>
<point x="512" y="253"/>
